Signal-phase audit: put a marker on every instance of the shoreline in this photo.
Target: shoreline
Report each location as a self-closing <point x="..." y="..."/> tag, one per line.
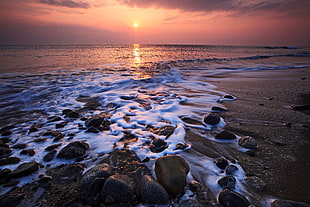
<point x="263" y="110"/>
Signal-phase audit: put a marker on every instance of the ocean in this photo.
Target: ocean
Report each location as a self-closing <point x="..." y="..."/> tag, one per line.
<point x="137" y="85"/>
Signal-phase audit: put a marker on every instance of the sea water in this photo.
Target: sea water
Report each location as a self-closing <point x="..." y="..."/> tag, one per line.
<point x="40" y="81"/>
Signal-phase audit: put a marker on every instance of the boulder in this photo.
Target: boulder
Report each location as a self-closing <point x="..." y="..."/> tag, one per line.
<point x="228" y="198"/>
<point x="248" y="142"/>
<point x="225" y="135"/>
<point x="288" y="203"/>
<point x="171" y="172"/>
<point x="73" y="150"/>
<point x="227" y="182"/>
<point x="255" y="183"/>
<point x="24" y="169"/>
<point x="101" y="170"/>
<point x="212" y="119"/>
<point x="118" y="188"/>
<point x="151" y="192"/>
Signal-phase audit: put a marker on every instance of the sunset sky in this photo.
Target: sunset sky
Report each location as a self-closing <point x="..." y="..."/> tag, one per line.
<point x="215" y="22"/>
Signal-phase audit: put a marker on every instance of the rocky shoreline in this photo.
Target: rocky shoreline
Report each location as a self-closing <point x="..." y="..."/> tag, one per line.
<point x="120" y="178"/>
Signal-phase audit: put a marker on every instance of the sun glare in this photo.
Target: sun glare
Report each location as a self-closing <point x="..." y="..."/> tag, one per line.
<point x="135" y="25"/>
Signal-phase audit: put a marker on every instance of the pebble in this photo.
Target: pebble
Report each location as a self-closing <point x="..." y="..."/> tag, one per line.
<point x="73" y="150"/>
<point x="225" y="135"/>
<point x="212" y="119"/>
<point x="221" y="162"/>
<point x="231" y="169"/>
<point x="49" y="156"/>
<point x="158" y="145"/>
<point x="227" y="182"/>
<point x="248" y="142"/>
<point x="228" y="198"/>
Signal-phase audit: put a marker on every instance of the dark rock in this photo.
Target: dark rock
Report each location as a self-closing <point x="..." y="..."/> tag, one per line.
<point x="255" y="183"/>
<point x="119" y="187"/>
<point x="181" y="146"/>
<point x="228" y="198"/>
<point x="57" y="135"/>
<point x="29" y="152"/>
<point x="251" y="152"/>
<point x="221" y="162"/>
<point x="158" y="145"/>
<point x="102" y="170"/>
<point x="4" y="151"/>
<point x="70" y="113"/>
<point x="129" y="97"/>
<point x="227" y="182"/>
<point x="218" y="109"/>
<point x="225" y="135"/>
<point x="11" y="183"/>
<point x="19" y="146"/>
<point x="24" y="169"/>
<point x="212" y="119"/>
<point x="91" y="103"/>
<point x="51" y="147"/>
<point x="301" y="107"/>
<point x="194" y="186"/>
<point x="231" y="169"/>
<point x="171" y="171"/>
<point x="248" y="142"/>
<point x="12" y="199"/>
<point x="288" y="203"/>
<point x="228" y="96"/>
<point x="151" y="192"/>
<point x="61" y="125"/>
<point x="9" y="161"/>
<point x="92" y="130"/>
<point x="190" y="203"/>
<point x="41" y="139"/>
<point x="73" y="150"/>
<point x="49" y="156"/>
<point x="6" y="133"/>
<point x="162" y="131"/>
<point x="53" y="118"/>
<point x="33" y="128"/>
<point x="4" y="172"/>
<point x="98" y="121"/>
<point x="94" y="189"/>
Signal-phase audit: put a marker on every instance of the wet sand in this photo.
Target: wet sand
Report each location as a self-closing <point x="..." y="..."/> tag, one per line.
<point x="263" y="110"/>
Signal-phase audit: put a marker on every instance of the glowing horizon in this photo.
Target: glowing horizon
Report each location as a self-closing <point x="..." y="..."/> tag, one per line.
<point x="236" y="22"/>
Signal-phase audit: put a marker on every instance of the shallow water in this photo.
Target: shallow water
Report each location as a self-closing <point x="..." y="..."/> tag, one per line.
<point x="155" y="85"/>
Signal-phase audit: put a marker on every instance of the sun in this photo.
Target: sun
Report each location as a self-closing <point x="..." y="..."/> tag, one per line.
<point x="135" y="25"/>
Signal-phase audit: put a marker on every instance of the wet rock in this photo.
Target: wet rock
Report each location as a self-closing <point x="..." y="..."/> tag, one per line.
<point x="101" y="170"/>
<point x="33" y="128"/>
<point x="225" y="135"/>
<point x="12" y="199"/>
<point x="162" y="131"/>
<point x="61" y="125"/>
<point x="227" y="182"/>
<point x="228" y="198"/>
<point x="70" y="113"/>
<point x="49" y="156"/>
<point x="4" y="173"/>
<point x="190" y="203"/>
<point x="94" y="189"/>
<point x="9" y="161"/>
<point x="24" y="169"/>
<point x="218" y="109"/>
<point x="255" y="183"/>
<point x="98" y="121"/>
<point x="51" y="147"/>
<point x="11" y="183"/>
<point x="92" y="130"/>
<point x="181" y="146"/>
<point x="151" y="192"/>
<point x="19" y="146"/>
<point x="129" y="97"/>
<point x="248" y="142"/>
<point x="288" y="203"/>
<point x="221" y="162"/>
<point x="73" y="150"/>
<point x="171" y="171"/>
<point x="194" y="186"/>
<point x="212" y="119"/>
<point x="41" y="139"/>
<point x="29" y="152"/>
<point x="57" y="135"/>
<point x="53" y="118"/>
<point x="120" y="188"/>
<point x="228" y="96"/>
<point x="158" y="145"/>
<point x="231" y="169"/>
<point x="4" y="151"/>
<point x="6" y="131"/>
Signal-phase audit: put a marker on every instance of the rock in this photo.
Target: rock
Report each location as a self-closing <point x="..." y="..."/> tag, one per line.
<point x="19" y="146"/>
<point x="9" y="161"/>
<point x="94" y="189"/>
<point x="227" y="182"/>
<point x="29" y="152"/>
<point x="49" y="156"/>
<point x="33" y="128"/>
<point x="212" y="119"/>
<point x="101" y="170"/>
<point x="4" y="173"/>
<point x="4" y="151"/>
<point x="151" y="192"/>
<point x="228" y="198"/>
<point x="24" y="169"/>
<point x="221" y="162"/>
<point x="190" y="203"/>
<point x="231" y="169"/>
<point x="53" y="118"/>
<point x="92" y="129"/>
<point x="120" y="188"/>
<point x="218" y="109"/>
<point x="70" y="113"/>
<point x="171" y="171"/>
<point x="162" y="131"/>
<point x="158" y="145"/>
<point x="194" y="186"/>
<point x="248" y="142"/>
<point x="73" y="150"/>
<point x="181" y="146"/>
<point x="55" y="134"/>
<point x="255" y="183"/>
<point x="225" y="135"/>
<point x="61" y="125"/>
<point x="301" y="107"/>
<point x="288" y="203"/>
<point x="41" y="139"/>
<point x="51" y="147"/>
<point x="12" y="199"/>
<point x="228" y="96"/>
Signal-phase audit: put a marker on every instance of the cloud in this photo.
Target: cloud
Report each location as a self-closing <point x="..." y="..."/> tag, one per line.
<point x="235" y="6"/>
<point x="66" y="3"/>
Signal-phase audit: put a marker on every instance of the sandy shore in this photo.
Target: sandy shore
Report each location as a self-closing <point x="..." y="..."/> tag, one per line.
<point x="263" y="110"/>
